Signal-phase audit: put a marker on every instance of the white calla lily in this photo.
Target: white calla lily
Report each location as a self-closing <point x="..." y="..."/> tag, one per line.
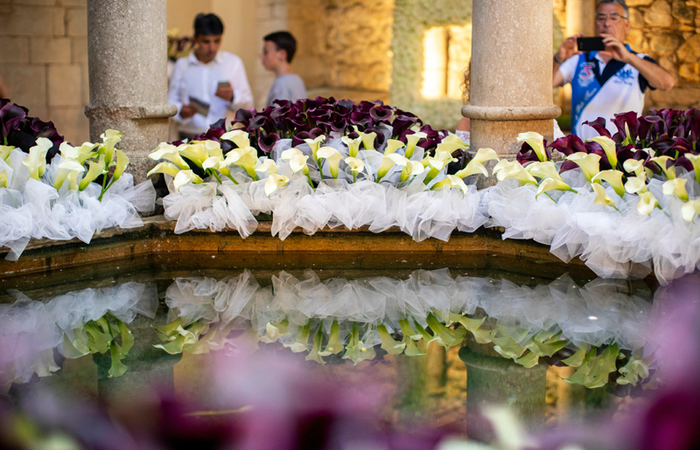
<point x="238" y="137"/>
<point x="213" y="148"/>
<point x="392" y="145"/>
<point x="663" y="161"/>
<point x="635" y="185"/>
<point x="186" y="176"/>
<point x="614" y="179"/>
<point x="68" y="169"/>
<point x="297" y="160"/>
<point x="694" y="160"/>
<point x="513" y="169"/>
<point x="472" y="168"/>
<point x="274" y="182"/>
<point x="356" y="166"/>
<point x="315" y="144"/>
<point x="122" y="162"/>
<point x="246" y="158"/>
<point x="413" y="168"/>
<point x="690" y="210"/>
<point x="110" y="138"/>
<point x="194" y="151"/>
<point x="68" y="151"/>
<point x="634" y="166"/>
<point x="95" y="169"/>
<point x="267" y="166"/>
<point x="647" y="203"/>
<point x="412" y="140"/>
<point x="36" y="160"/>
<point x="544" y="170"/>
<point x="4" y="179"/>
<point x="353" y="145"/>
<point x="165" y="167"/>
<point x="536" y="141"/>
<point x="5" y="151"/>
<point x="367" y="138"/>
<point x="552" y="184"/>
<point x="332" y="157"/>
<point x="608" y="147"/>
<point x="485" y="154"/>
<point x="450" y="181"/>
<point x="170" y="153"/>
<point x="676" y="187"/>
<point x="601" y="197"/>
<point x="588" y="162"/>
<point x="388" y="162"/>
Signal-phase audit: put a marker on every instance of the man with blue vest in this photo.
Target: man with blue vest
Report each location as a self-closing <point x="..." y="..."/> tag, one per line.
<point x="607" y="82"/>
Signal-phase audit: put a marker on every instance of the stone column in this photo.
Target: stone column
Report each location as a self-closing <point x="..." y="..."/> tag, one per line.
<point x="511" y="73"/>
<point x="127" y="56"/>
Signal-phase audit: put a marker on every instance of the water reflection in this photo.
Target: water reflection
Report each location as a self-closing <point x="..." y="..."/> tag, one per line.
<point x="598" y="328"/>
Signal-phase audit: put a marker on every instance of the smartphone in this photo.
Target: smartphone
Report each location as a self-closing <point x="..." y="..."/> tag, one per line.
<point x="223" y="84"/>
<point x="590" y="44"/>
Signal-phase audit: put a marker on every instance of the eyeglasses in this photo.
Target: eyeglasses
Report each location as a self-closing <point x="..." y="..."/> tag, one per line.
<point x="614" y="18"/>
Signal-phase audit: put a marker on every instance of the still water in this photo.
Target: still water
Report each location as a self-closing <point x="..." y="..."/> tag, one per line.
<point x="435" y="337"/>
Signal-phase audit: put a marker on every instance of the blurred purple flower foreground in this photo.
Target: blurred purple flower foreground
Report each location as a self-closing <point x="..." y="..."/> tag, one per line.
<point x="261" y="403"/>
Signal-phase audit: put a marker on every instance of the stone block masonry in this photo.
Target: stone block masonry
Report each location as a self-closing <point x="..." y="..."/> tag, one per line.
<point x="43" y="60"/>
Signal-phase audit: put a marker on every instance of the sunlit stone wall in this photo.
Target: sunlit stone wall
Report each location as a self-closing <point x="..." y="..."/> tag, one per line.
<point x="43" y="60"/>
<point x="668" y="31"/>
<point x="343" y="45"/>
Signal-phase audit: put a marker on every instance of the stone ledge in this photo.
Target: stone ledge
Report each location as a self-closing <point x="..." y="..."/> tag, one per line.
<point x="157" y="237"/>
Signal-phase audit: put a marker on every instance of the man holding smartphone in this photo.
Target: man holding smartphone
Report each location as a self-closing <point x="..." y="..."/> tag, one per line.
<point x="609" y="79"/>
<point x="208" y="84"/>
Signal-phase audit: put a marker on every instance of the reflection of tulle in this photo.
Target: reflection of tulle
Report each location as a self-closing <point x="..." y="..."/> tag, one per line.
<point x="30" y="330"/>
<point x="601" y="312"/>
<point x="34" y="209"/>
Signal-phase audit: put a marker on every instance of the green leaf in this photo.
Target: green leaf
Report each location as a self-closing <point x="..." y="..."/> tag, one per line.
<point x="127" y="337"/>
<point x="389" y="344"/>
<point x="528" y="360"/>
<point x="445" y="336"/>
<point x="117" y="368"/>
<point x="577" y="358"/>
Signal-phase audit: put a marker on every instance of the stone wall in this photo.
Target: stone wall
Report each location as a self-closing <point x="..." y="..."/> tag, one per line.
<point x="669" y="32"/>
<point x="343" y="44"/>
<point x="43" y="60"/>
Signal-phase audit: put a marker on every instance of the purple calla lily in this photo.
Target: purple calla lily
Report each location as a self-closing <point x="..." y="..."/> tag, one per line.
<point x="267" y="142"/>
<point x="599" y="126"/>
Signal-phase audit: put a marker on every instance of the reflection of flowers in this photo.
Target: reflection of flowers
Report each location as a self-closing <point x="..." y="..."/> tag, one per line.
<point x="337" y="329"/>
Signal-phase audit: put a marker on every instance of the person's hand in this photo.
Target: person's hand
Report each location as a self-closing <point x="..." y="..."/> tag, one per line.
<point x="225" y="92"/>
<point x="568" y="48"/>
<point x="187" y="111"/>
<point x="615" y="48"/>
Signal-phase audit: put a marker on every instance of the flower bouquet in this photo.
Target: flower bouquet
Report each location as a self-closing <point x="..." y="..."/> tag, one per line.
<point x="623" y="203"/>
<point x="50" y="189"/>
<point x="323" y="163"/>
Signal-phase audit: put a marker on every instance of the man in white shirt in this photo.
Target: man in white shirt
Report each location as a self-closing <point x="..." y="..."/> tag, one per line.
<point x="207" y="85"/>
<point x="607" y="82"/>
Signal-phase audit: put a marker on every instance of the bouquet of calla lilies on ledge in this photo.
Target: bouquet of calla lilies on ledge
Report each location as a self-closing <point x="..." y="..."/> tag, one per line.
<point x="625" y="204"/>
<point x="50" y="189"/>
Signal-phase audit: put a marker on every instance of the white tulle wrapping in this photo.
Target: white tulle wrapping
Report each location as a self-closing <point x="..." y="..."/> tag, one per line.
<point x="31" y="208"/>
<point x="613" y="243"/>
<point x="31" y="330"/>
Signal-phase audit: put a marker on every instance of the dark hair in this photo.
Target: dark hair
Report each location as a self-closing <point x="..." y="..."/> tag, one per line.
<point x="622" y="3"/>
<point x="208" y="25"/>
<point x="283" y="41"/>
